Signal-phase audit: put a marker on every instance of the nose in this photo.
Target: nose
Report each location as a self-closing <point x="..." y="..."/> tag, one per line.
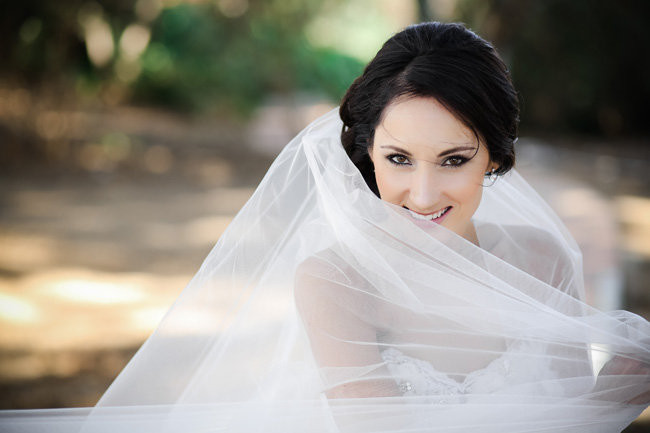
<point x="425" y="189"/>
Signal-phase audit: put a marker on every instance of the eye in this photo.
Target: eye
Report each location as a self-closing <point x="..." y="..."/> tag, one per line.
<point x="398" y="159"/>
<point x="454" y="161"/>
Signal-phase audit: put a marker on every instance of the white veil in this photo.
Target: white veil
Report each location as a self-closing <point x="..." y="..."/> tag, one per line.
<point x="324" y="309"/>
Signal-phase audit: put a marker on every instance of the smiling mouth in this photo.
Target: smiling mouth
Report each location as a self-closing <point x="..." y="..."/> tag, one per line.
<point x="429" y="217"/>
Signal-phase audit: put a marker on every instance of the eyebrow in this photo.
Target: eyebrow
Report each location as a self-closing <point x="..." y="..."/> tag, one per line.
<point x="441" y="154"/>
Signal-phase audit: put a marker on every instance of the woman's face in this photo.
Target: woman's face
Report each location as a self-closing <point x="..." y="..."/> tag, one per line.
<point x="430" y="163"/>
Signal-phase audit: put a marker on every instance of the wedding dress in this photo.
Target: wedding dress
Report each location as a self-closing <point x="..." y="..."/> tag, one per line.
<point x="324" y="309"/>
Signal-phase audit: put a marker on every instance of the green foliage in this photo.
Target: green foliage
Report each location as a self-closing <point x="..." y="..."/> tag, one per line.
<point x="197" y="58"/>
<point x="326" y="70"/>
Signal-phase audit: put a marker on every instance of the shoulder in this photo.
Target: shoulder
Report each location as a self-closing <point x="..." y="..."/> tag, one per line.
<point x="547" y="256"/>
<point x="320" y="278"/>
<point x="329" y="279"/>
<point x="507" y="239"/>
<point x="325" y="264"/>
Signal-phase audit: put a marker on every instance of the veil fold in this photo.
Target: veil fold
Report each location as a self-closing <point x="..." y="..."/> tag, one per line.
<point x="324" y="309"/>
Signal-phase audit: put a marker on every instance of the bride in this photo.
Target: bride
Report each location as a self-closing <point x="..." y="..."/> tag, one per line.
<point x="391" y="273"/>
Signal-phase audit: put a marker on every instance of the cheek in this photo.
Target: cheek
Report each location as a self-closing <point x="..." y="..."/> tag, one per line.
<point x="473" y="199"/>
<point x="467" y="191"/>
<point x="384" y="183"/>
<point x="390" y="184"/>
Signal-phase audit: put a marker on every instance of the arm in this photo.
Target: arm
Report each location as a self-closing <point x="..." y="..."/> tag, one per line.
<point x="624" y="378"/>
<point x="637" y="375"/>
<point x="335" y="314"/>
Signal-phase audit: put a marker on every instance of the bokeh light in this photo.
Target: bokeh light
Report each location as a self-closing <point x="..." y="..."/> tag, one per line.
<point x="132" y="132"/>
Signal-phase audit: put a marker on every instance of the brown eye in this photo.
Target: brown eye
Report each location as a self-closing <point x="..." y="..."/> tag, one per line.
<point x="398" y="159"/>
<point x="455" y="161"/>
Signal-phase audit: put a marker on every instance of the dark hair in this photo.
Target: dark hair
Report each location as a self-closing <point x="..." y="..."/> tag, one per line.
<point x="444" y="61"/>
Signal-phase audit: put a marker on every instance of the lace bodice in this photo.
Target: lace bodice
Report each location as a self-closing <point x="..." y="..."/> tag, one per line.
<point x="417" y="377"/>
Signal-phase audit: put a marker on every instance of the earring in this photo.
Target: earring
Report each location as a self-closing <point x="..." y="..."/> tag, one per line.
<point x="492" y="175"/>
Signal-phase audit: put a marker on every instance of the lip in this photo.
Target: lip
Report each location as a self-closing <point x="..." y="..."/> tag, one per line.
<point x="427" y="223"/>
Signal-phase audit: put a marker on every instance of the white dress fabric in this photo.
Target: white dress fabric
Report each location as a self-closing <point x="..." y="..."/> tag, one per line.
<point x="324" y="309"/>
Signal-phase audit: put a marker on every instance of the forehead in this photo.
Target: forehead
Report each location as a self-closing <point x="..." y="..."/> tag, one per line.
<point x="422" y="125"/>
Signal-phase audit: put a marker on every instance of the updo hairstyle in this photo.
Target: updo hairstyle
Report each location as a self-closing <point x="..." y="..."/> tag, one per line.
<point x="444" y="61"/>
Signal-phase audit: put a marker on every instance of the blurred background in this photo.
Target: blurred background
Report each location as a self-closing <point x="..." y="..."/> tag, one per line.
<point x="132" y="131"/>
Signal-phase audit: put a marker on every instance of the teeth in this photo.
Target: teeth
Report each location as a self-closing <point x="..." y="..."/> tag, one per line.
<point x="428" y="217"/>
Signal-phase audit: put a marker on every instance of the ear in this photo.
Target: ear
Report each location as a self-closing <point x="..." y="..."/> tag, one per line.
<point x="492" y="166"/>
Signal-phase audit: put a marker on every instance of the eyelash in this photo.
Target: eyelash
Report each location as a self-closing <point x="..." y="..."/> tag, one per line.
<point x="461" y="160"/>
<point x="393" y="156"/>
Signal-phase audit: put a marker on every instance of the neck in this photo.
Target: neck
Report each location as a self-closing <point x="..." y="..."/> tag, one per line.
<point x="470" y="233"/>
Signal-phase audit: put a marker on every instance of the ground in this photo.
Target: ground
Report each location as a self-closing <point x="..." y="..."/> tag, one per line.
<point x="90" y="259"/>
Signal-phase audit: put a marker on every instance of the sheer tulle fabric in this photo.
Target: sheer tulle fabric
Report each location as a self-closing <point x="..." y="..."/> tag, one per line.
<point x="325" y="309"/>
